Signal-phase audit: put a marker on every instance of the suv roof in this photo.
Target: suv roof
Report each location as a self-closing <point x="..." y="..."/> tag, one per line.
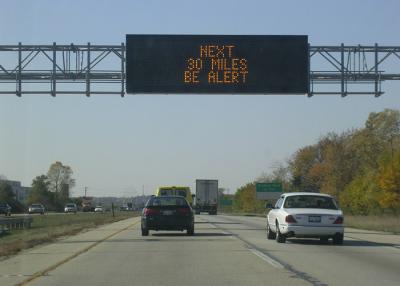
<point x="306" y="194"/>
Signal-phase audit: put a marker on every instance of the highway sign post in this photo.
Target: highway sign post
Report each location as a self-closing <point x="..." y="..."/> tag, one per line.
<point x="268" y="191"/>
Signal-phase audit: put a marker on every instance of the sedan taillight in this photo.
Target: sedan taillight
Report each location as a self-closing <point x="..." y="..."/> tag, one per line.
<point x="339" y="220"/>
<point x="290" y="219"/>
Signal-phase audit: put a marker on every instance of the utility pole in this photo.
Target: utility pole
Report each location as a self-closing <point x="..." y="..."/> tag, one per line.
<point x="143" y="190"/>
<point x="85" y="191"/>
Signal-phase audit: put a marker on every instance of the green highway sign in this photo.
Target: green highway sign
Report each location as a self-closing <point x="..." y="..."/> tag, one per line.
<point x="225" y="202"/>
<point x="268" y="191"/>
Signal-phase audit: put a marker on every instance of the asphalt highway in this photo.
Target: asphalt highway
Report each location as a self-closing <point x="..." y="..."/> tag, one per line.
<point x="228" y="250"/>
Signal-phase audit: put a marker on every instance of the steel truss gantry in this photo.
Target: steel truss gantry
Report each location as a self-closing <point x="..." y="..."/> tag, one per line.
<point x="92" y="66"/>
<point x="343" y="66"/>
<point x="100" y="69"/>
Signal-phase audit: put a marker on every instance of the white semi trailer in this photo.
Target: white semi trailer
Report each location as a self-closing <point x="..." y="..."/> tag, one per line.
<point x="206" y="196"/>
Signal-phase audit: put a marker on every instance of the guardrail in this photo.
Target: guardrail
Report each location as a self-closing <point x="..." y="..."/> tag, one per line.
<point x="6" y="224"/>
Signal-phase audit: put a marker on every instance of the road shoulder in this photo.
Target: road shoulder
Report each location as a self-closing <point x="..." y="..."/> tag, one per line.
<point x="41" y="259"/>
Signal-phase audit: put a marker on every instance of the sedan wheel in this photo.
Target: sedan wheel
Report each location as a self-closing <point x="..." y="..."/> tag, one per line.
<point x="338" y="239"/>
<point x="280" y="238"/>
<point x="270" y="233"/>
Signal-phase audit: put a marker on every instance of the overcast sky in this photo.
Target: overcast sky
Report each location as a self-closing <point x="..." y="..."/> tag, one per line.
<point x="115" y="145"/>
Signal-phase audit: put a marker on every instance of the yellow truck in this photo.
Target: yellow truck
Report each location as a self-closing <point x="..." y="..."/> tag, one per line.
<point x="175" y="191"/>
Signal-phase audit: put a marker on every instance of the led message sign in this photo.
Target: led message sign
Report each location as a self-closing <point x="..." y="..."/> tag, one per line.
<point x="217" y="64"/>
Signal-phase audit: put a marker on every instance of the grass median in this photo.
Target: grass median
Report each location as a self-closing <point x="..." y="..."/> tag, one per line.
<point x="47" y="228"/>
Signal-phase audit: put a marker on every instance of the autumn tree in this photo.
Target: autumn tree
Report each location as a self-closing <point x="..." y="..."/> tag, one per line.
<point x="389" y="182"/>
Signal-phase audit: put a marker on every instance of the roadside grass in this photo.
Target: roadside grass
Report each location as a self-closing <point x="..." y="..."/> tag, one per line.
<point x="388" y="223"/>
<point x="48" y="228"/>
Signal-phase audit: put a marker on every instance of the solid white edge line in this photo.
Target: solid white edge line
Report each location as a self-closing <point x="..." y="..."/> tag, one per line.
<point x="266" y="258"/>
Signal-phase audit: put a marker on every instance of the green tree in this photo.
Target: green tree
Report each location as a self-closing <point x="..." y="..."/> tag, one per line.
<point x="6" y="193"/>
<point x="60" y="179"/>
<point x="40" y="193"/>
<point x="361" y="195"/>
<point x="245" y="199"/>
<point x="389" y="182"/>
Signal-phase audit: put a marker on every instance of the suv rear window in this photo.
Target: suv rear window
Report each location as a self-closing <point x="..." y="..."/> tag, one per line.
<point x="167" y="201"/>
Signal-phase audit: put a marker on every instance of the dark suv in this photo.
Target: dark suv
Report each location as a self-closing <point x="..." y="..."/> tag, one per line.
<point x="167" y="213"/>
<point x="5" y="209"/>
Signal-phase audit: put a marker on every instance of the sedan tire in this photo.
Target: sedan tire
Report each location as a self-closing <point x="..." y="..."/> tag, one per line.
<point x="280" y="238"/>
<point x="270" y="233"/>
<point x="338" y="239"/>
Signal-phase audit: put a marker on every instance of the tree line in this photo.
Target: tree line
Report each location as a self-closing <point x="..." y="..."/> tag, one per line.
<point x="359" y="167"/>
<point x="52" y="190"/>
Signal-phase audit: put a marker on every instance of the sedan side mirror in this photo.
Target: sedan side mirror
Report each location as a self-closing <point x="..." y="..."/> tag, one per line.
<point x="269" y="206"/>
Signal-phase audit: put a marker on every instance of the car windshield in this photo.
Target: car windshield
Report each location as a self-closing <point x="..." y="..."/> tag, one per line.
<point x="167" y="201"/>
<point x="310" y="202"/>
<point x="36" y="206"/>
<point x="70" y="205"/>
<point x="3" y="204"/>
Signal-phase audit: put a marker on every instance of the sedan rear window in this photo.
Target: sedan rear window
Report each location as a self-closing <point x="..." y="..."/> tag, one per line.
<point x="167" y="201"/>
<point x="310" y="202"/>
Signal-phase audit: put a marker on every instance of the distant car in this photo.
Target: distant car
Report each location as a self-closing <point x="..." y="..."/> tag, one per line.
<point x="123" y="209"/>
<point x="70" y="208"/>
<point x="36" y="209"/>
<point x="167" y="213"/>
<point x="5" y="209"/>
<point x="305" y="215"/>
<point x="99" y="209"/>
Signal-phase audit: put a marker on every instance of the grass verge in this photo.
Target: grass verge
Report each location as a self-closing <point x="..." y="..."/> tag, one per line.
<point x="388" y="223"/>
<point x="47" y="228"/>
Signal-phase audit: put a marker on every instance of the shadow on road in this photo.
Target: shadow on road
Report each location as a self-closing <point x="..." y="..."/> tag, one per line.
<point x="199" y="234"/>
<point x="354" y="242"/>
<point x="378" y="233"/>
<point x="217" y="222"/>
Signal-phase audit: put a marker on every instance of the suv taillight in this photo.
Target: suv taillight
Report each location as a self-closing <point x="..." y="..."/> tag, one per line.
<point x="148" y="211"/>
<point x="183" y="210"/>
<point x="290" y="219"/>
<point x="339" y="220"/>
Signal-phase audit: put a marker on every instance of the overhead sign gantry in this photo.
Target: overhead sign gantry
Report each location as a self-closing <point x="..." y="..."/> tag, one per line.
<point x="198" y="64"/>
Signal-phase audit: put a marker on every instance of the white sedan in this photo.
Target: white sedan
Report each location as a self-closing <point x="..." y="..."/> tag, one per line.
<point x="99" y="209"/>
<point x="305" y="215"/>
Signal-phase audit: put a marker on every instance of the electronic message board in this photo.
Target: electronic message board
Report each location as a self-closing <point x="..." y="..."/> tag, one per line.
<point x="229" y="64"/>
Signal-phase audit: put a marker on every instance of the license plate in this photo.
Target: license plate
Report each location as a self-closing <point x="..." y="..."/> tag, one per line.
<point x="168" y="212"/>
<point x="314" y="219"/>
